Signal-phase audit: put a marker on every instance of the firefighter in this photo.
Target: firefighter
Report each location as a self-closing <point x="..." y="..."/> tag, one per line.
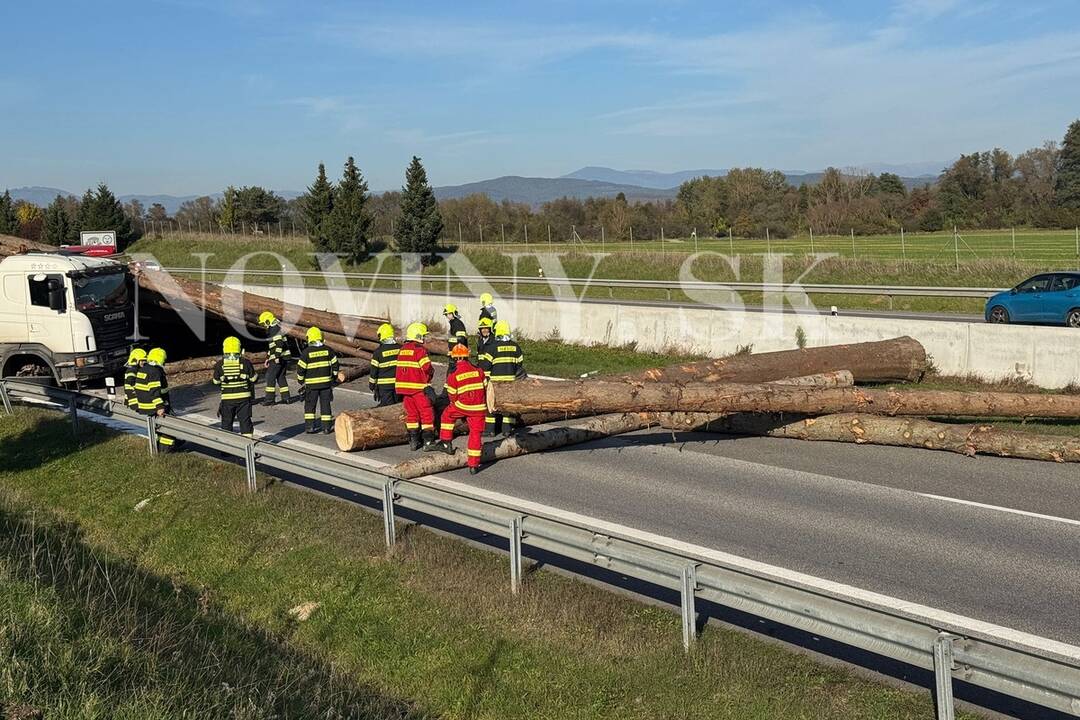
<point x="413" y="384"/>
<point x="277" y="361"/>
<point x="134" y="363"/>
<point x="316" y="372"/>
<point x="485" y="343"/>
<point x="384" y="367"/>
<point x="457" y="332"/>
<point x="236" y="377"/>
<point x="507" y="364"/>
<point x="465" y="387"/>
<point x="152" y="393"/>
<point x="487" y="309"/>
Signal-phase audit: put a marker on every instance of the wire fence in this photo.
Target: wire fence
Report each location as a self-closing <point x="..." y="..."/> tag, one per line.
<point x="951" y="246"/>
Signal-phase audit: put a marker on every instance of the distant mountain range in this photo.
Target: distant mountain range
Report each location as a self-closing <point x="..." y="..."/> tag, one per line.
<point x="637" y="185"/>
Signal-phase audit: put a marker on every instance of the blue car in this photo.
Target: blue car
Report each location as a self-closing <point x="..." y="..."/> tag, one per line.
<point x="1048" y="299"/>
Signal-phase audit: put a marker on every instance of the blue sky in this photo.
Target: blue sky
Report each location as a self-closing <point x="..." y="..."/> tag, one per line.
<point x="186" y="96"/>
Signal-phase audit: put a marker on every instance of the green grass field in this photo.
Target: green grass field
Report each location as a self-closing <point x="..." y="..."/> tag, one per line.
<point x="996" y="271"/>
<point x="140" y="588"/>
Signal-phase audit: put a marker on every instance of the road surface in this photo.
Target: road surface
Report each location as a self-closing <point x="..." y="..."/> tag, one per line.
<point x="991" y="538"/>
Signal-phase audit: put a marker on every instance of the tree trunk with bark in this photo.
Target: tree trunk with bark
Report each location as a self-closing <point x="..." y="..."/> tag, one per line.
<point x="859" y="428"/>
<point x="899" y="359"/>
<point x="600" y="397"/>
<point x="379" y="427"/>
<point x="523" y="444"/>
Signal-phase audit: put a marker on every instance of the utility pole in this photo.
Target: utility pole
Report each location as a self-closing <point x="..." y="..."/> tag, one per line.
<point x="956" y="249"/>
<point x="481" y="233"/>
<point x="603" y="238"/>
<point x="502" y="231"/>
<point x="812" y="240"/>
<point x="852" y="242"/>
<point x="459" y="234"/>
<point x="768" y="242"/>
<point x="631" y="238"/>
<point x="549" y="234"/>
<point x="526" y="233"/>
<point x="903" y="250"/>
<point x="1014" y="241"/>
<point x="730" y="242"/>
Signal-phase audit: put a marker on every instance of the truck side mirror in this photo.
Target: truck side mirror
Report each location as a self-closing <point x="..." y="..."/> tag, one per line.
<point x="57" y="296"/>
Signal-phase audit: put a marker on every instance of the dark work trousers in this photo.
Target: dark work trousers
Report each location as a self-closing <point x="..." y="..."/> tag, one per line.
<point x="237" y="410"/>
<point x="320" y="398"/>
<point x="385" y="395"/>
<point x="277" y="384"/>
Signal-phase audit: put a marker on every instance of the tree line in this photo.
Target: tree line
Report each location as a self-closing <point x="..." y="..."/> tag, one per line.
<point x="991" y="189"/>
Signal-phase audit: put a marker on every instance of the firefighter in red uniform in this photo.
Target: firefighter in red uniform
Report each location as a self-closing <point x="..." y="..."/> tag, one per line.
<point x="412" y="381"/>
<point x="465" y="387"/>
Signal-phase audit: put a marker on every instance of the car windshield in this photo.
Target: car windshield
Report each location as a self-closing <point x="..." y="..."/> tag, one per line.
<point x="101" y="291"/>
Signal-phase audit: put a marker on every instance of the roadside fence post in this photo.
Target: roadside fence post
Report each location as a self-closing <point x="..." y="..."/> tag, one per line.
<point x="943" y="667"/>
<point x="689" y="610"/>
<point x="249" y="467"/>
<point x="388" y="514"/>
<point x="515" y="554"/>
<point x="151" y="434"/>
<point x="73" y="413"/>
<point x="5" y="399"/>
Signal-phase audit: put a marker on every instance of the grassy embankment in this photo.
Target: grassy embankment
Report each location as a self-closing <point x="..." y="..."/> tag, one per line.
<point x="990" y="266"/>
<point x="140" y="588"/>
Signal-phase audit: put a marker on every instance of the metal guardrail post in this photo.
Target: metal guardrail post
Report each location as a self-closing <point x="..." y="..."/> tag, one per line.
<point x="151" y="434"/>
<point x="515" y="555"/>
<point x="5" y="399"/>
<point x="249" y="467"/>
<point x="73" y="413"/>
<point x="388" y="514"/>
<point x="943" y="667"/>
<point x="689" y="606"/>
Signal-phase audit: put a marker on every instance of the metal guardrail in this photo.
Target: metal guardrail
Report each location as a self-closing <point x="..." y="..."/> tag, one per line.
<point x="1016" y="664"/>
<point x="416" y="281"/>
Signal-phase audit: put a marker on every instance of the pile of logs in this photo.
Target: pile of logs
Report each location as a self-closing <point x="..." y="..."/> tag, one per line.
<point x="350" y="336"/>
<point x="805" y="394"/>
<point x="11" y="245"/>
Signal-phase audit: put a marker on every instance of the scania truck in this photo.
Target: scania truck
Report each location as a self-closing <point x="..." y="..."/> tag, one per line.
<point x="64" y="319"/>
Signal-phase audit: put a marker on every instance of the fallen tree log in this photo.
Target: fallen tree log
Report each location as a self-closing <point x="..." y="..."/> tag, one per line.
<point x="380" y="427"/>
<point x="860" y="428"/>
<point x="898" y="359"/>
<point x="207" y="363"/>
<point x="523" y="444"/>
<point x="600" y="397"/>
<point x="181" y="292"/>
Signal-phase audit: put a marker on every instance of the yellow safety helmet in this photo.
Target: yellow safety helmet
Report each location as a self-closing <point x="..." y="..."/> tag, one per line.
<point x="314" y="334"/>
<point x="137" y="355"/>
<point x="416" y="331"/>
<point x="156" y="356"/>
<point x="485" y="322"/>
<point x="449" y="308"/>
<point x="386" y="331"/>
<point x="231" y="346"/>
<point x="502" y="328"/>
<point x="266" y="319"/>
<point x="486" y="299"/>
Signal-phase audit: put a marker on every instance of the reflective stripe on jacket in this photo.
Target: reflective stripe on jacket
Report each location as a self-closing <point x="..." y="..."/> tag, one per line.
<point x="236" y="378"/>
<point x="506" y="360"/>
<point x="317" y="367"/>
<point x="384" y="364"/>
<point x="151" y="389"/>
<point x="414" y="370"/>
<point x="465" y="387"/>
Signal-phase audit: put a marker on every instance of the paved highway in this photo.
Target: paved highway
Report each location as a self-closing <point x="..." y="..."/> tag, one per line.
<point x="995" y="539"/>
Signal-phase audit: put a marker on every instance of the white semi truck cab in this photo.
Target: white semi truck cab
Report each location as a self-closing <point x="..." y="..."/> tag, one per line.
<point x="68" y="317"/>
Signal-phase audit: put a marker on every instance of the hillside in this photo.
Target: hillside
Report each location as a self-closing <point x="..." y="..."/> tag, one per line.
<point x="534" y="191"/>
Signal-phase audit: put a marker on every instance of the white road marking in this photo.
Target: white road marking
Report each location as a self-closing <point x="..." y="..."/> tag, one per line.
<point x="1014" y="511"/>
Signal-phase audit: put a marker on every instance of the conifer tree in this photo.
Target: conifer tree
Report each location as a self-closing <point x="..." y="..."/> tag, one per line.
<point x="1068" y="179"/>
<point x="420" y="225"/>
<point x="57" y="223"/>
<point x="317" y="204"/>
<point x="348" y="226"/>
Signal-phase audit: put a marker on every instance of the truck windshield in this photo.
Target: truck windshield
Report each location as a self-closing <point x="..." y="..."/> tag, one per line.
<point x="101" y="291"/>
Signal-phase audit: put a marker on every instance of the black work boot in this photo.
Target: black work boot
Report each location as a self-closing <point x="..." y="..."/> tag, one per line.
<point x="414" y="440"/>
<point x="445" y="446"/>
<point x="430" y="445"/>
<point x="286" y="399"/>
<point x="473" y="469"/>
<point x="268" y="401"/>
<point x="312" y="428"/>
<point x="327" y="429"/>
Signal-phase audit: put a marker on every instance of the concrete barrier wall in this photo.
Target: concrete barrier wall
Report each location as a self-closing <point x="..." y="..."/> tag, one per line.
<point x="1048" y="357"/>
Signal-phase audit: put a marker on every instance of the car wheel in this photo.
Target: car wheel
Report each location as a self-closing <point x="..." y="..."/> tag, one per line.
<point x="999" y="315"/>
<point x="1073" y="318"/>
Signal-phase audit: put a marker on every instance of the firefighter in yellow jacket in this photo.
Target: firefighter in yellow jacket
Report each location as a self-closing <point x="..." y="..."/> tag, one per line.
<point x="317" y="373"/>
<point x="235" y="376"/>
